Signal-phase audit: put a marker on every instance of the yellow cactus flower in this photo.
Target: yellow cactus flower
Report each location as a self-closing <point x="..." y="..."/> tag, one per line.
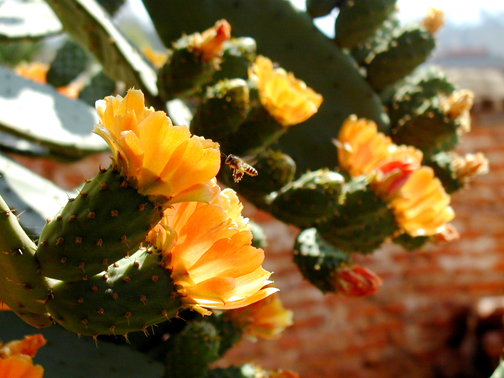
<point x="212" y="261"/>
<point x="421" y="205"/>
<point x="417" y="198"/>
<point x="208" y="45"/>
<point x="458" y="106"/>
<point x="266" y="318"/>
<point x="467" y="167"/>
<point x="433" y="20"/>
<point x="16" y="358"/>
<point x="287" y="99"/>
<point x="157" y="158"/>
<point x="362" y="149"/>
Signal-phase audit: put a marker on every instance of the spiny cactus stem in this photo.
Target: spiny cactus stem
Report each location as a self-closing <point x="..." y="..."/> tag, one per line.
<point x="22" y="288"/>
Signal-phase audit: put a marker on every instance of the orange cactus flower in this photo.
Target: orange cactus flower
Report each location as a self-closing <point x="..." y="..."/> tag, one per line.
<point x="211" y="259"/>
<point x="421" y="205"/>
<point x="361" y="148"/>
<point x="158" y="159"/>
<point x="287" y="99"/>
<point x="356" y="281"/>
<point x="266" y="318"/>
<point x="33" y="71"/>
<point x="37" y="72"/>
<point x="16" y="358"/>
<point x="208" y="45"/>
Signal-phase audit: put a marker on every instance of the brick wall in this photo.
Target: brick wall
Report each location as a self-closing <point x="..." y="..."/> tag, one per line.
<point x="419" y="324"/>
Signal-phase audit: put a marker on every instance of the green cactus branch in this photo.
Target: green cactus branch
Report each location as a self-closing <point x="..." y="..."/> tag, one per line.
<point x="90" y="25"/>
<point x="22" y="287"/>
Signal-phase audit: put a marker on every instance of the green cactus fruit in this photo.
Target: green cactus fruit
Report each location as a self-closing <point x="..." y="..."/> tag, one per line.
<point x="229" y="334"/>
<point x="405" y="51"/>
<point x="244" y="371"/>
<point x="70" y="61"/>
<point x="225" y="108"/>
<point x="359" y="19"/>
<point x="259" y="240"/>
<point x="22" y="287"/>
<point x="104" y="223"/>
<point x="409" y="242"/>
<point x="100" y="86"/>
<point x="362" y="222"/>
<point x="184" y="73"/>
<point x="318" y="260"/>
<point x="312" y="198"/>
<point x="275" y="170"/>
<point x="194" y="349"/>
<point x="443" y="168"/>
<point x="363" y="52"/>
<point x="321" y="8"/>
<point x="134" y="294"/>
<point x="111" y="6"/>
<point x="238" y="54"/>
<point x="410" y="95"/>
<point x="430" y="130"/>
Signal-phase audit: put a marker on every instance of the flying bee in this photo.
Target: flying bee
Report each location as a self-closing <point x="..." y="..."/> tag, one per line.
<point x="239" y="167"/>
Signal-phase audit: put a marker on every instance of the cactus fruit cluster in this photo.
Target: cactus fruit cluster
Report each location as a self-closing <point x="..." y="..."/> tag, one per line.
<point x="355" y="152"/>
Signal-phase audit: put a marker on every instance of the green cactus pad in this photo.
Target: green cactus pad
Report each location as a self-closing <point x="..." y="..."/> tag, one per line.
<point x="313" y="198"/>
<point x="67" y="123"/>
<point x="28" y="20"/>
<point x="430" y="130"/>
<point x="405" y="51"/>
<point x="410" y="94"/>
<point x="100" y="86"/>
<point x="344" y="89"/>
<point x="441" y="163"/>
<point x="194" y="349"/>
<point x="90" y="25"/>
<point x="68" y="356"/>
<point x="320" y="8"/>
<point x="259" y="240"/>
<point x="318" y="260"/>
<point x="229" y="334"/>
<point x="225" y="108"/>
<point x="359" y="19"/>
<point x="238" y="54"/>
<point x="22" y="287"/>
<point x="69" y="62"/>
<point x="134" y="294"/>
<point x="364" y="52"/>
<point x="104" y="223"/>
<point x="363" y="221"/>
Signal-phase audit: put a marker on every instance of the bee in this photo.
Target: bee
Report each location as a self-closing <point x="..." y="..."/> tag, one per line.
<point x="239" y="167"/>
